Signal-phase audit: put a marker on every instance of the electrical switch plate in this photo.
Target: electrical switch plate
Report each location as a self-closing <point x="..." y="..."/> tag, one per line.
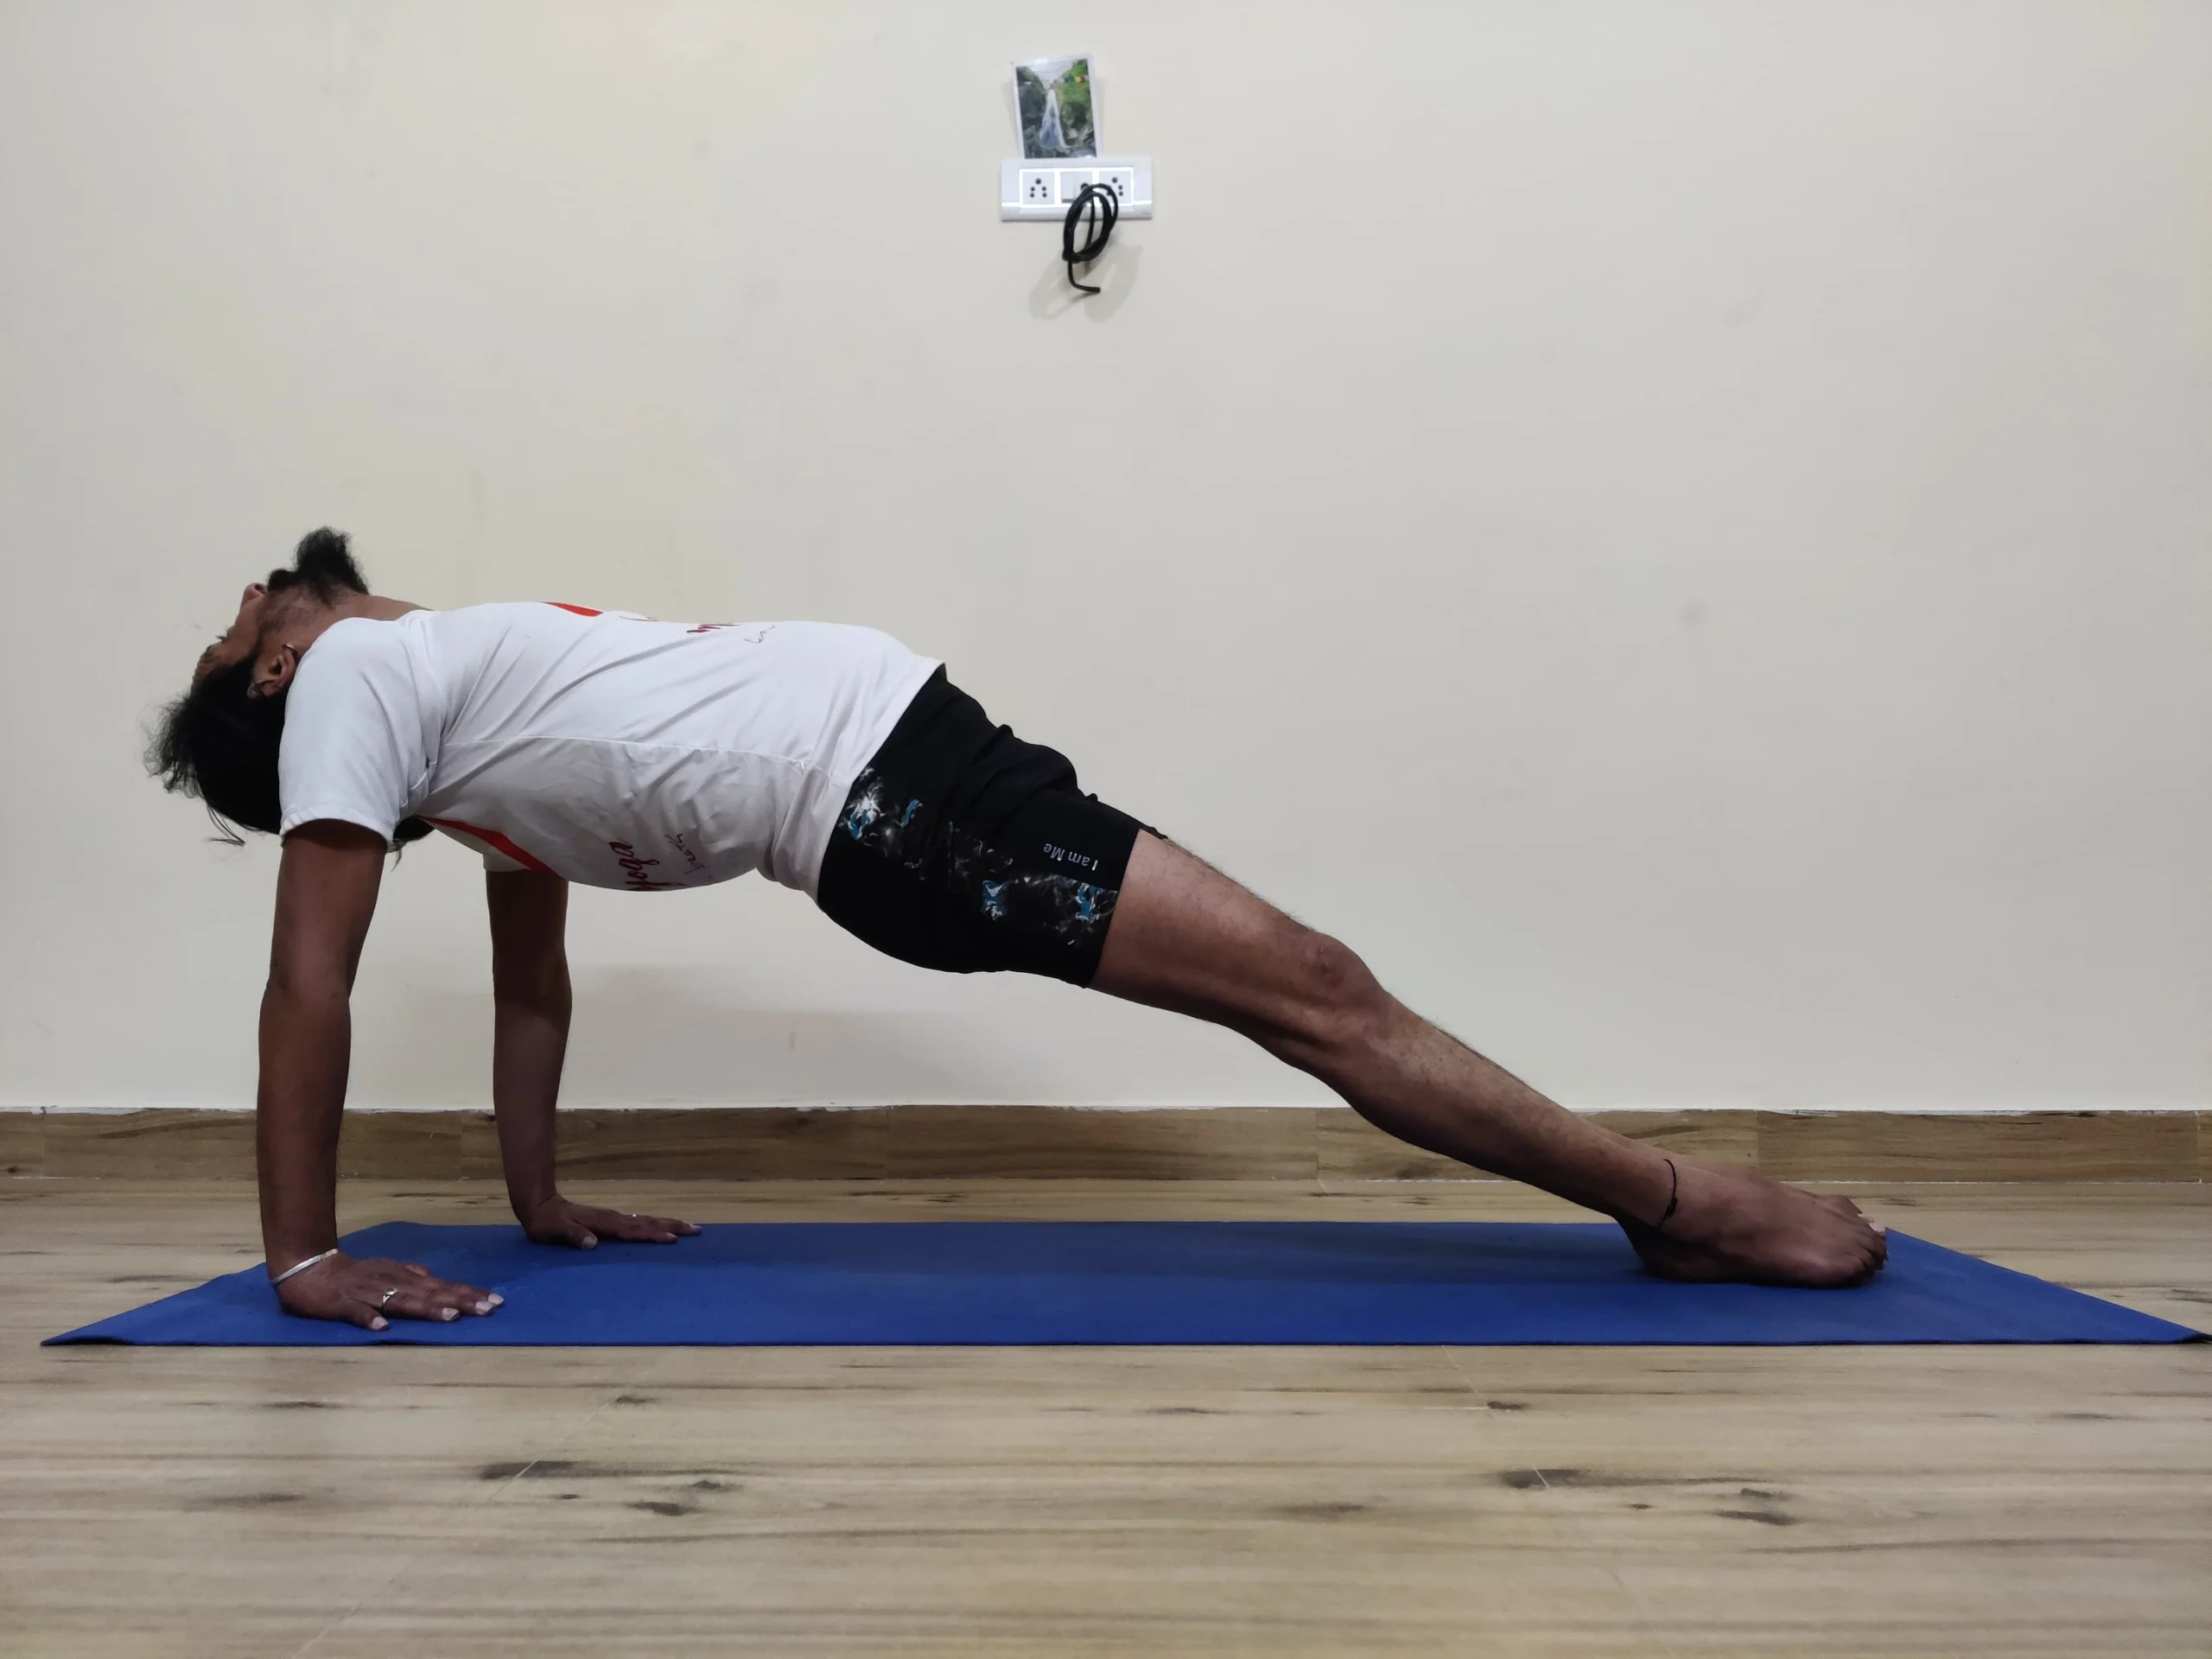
<point x="1045" y="189"/>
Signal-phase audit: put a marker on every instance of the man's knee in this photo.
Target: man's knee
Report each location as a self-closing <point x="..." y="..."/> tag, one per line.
<point x="1341" y="1005"/>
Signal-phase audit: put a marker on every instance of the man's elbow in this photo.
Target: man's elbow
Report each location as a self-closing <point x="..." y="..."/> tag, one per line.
<point x="303" y="984"/>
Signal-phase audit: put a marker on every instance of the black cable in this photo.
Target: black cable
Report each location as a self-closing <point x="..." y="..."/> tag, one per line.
<point x="1097" y="207"/>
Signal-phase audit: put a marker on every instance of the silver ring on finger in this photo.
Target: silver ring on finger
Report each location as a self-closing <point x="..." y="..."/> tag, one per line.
<point x="385" y="1300"/>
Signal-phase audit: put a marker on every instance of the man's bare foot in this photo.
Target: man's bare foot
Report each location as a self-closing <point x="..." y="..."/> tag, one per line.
<point x="1731" y="1225"/>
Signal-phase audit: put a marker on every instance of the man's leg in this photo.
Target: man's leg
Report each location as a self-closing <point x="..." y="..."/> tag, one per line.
<point x="1187" y="938"/>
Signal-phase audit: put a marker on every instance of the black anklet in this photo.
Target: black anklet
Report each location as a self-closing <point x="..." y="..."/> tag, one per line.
<point x="1673" y="1195"/>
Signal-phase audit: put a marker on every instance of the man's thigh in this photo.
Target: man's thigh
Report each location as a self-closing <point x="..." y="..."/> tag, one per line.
<point x="1187" y="938"/>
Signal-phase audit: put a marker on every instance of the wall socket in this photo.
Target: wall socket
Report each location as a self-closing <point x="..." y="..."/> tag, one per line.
<point x="1047" y="189"/>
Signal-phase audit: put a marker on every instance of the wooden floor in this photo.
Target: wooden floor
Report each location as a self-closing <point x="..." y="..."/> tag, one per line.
<point x="1277" y="1502"/>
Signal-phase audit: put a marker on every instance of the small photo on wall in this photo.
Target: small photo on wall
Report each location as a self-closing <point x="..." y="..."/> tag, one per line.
<point x="1053" y="100"/>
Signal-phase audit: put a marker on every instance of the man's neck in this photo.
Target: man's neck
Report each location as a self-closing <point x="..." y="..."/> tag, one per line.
<point x="376" y="608"/>
<point x="301" y="628"/>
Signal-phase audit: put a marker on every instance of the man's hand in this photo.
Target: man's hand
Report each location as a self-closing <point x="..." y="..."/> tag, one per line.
<point x="371" y="1294"/>
<point x="557" y="1221"/>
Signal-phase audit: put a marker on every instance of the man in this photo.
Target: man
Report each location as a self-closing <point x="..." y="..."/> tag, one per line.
<point x="568" y="745"/>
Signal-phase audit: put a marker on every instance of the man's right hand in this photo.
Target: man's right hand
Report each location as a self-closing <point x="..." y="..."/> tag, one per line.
<point x="374" y="1293"/>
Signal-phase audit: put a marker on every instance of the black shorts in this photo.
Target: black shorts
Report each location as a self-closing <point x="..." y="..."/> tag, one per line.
<point x="963" y="849"/>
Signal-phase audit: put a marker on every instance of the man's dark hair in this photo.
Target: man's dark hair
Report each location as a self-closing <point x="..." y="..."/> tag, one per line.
<point x="323" y="565"/>
<point x="220" y="743"/>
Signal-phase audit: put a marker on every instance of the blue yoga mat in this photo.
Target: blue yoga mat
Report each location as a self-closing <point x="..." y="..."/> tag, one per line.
<point x="999" y="1283"/>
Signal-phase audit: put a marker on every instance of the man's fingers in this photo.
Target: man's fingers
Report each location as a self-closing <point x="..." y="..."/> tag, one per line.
<point x="366" y="1317"/>
<point x="466" y="1299"/>
<point x="574" y="1234"/>
<point x="437" y="1300"/>
<point x="415" y="1278"/>
<point x="650" y="1230"/>
<point x="463" y="1298"/>
<point x="582" y="1226"/>
<point x="412" y="1304"/>
<point x="441" y="1306"/>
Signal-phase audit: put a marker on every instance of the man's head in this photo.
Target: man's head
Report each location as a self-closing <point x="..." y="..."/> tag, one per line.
<point x="219" y="739"/>
<point x="278" y="619"/>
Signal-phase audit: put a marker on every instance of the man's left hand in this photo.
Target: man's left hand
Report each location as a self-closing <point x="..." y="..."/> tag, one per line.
<point x="560" y="1221"/>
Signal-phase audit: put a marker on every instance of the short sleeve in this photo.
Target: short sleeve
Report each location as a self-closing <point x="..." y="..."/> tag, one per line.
<point x="352" y="747"/>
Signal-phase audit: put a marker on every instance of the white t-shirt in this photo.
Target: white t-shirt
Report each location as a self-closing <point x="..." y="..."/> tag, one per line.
<point x="611" y="749"/>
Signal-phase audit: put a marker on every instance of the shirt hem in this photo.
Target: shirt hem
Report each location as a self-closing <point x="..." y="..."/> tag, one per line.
<point x="292" y="821"/>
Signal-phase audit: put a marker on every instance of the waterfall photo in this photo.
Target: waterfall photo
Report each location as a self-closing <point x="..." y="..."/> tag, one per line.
<point x="1052" y="102"/>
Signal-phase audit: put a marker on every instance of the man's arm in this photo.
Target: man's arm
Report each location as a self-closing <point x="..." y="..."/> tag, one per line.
<point x="325" y="894"/>
<point x="530" y="1038"/>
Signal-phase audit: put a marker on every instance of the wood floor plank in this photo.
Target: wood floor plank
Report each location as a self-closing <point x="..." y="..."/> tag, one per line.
<point x="1040" y="1143"/>
<point x="22" y="1143"/>
<point x="138" y="1145"/>
<point x="1151" y="1143"/>
<point x="401" y="1146"/>
<point x="1980" y="1146"/>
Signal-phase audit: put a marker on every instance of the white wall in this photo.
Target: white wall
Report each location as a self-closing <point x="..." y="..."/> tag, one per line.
<point x="1680" y="530"/>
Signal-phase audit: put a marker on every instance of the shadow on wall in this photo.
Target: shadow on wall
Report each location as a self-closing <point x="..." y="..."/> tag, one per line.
<point x="654" y="1035"/>
<point x="1115" y="277"/>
